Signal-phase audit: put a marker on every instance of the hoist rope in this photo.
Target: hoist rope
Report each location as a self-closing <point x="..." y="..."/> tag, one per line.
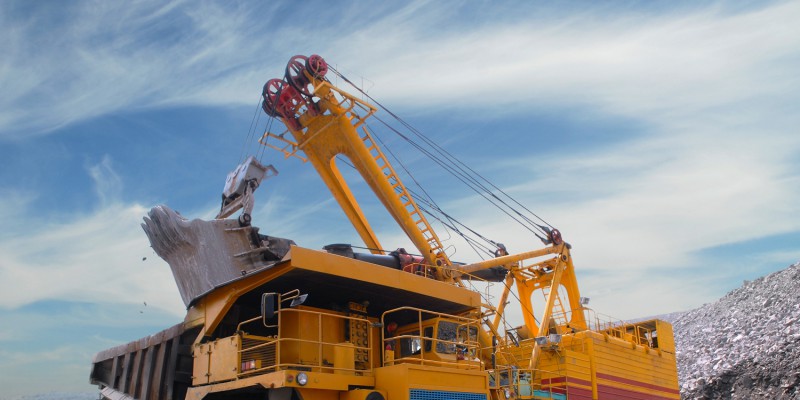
<point x="251" y="131"/>
<point x="451" y="226"/>
<point x="458" y="176"/>
<point x="428" y="200"/>
<point x="460" y="170"/>
<point x="266" y="140"/>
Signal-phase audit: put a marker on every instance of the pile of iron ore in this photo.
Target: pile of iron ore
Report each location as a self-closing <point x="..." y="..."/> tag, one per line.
<point x="746" y="345"/>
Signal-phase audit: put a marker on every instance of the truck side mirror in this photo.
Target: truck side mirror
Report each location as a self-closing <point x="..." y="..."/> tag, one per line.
<point x="298" y="300"/>
<point x="268" y="306"/>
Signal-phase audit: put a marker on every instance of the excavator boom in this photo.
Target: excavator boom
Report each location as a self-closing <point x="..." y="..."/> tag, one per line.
<point x="325" y="123"/>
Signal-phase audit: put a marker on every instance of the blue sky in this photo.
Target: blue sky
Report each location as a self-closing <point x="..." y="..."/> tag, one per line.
<point x="662" y="139"/>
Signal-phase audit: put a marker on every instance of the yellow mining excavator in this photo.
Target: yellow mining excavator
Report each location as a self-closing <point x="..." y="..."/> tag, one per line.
<point x="268" y="319"/>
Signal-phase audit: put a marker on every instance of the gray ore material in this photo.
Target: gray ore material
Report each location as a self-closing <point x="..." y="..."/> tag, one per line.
<point x="205" y="255"/>
<point x="746" y="345"/>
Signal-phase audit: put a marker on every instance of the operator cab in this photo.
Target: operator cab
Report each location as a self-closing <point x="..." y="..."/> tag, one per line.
<point x="440" y="340"/>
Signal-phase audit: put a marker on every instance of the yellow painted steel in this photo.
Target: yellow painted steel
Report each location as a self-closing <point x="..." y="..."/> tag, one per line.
<point x="435" y="337"/>
<point x="441" y="339"/>
<point x="361" y="271"/>
<point x="216" y="361"/>
<point x="213" y="306"/>
<point x="600" y="366"/>
<point x="361" y="394"/>
<point x="397" y="380"/>
<point x="321" y="385"/>
<point x="338" y="130"/>
<point x="550" y="276"/>
<point x="501" y="305"/>
<point x="633" y="358"/>
<point x="560" y="351"/>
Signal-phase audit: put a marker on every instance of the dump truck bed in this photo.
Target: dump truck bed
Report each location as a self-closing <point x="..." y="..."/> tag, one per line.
<point x="156" y="367"/>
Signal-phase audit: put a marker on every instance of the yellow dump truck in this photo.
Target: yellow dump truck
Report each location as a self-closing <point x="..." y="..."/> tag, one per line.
<point x="267" y="319"/>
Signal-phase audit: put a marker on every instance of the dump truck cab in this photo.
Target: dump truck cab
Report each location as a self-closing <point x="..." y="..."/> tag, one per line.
<point x="315" y="323"/>
<point x="439" y="340"/>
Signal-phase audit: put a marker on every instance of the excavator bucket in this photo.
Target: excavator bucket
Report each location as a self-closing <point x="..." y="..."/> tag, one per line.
<point x="205" y="255"/>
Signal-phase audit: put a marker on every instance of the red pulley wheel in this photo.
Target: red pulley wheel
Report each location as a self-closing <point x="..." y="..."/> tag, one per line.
<point x="555" y="237"/>
<point x="288" y="100"/>
<point x="317" y="66"/>
<point x="295" y="74"/>
<point x="271" y="92"/>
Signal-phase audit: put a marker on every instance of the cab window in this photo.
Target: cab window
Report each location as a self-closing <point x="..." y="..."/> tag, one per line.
<point x="451" y="336"/>
<point x="412" y="346"/>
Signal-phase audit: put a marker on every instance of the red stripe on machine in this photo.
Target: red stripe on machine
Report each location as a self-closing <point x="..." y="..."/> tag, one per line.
<point x="605" y="392"/>
<point x="637" y="383"/>
<point x="562" y="379"/>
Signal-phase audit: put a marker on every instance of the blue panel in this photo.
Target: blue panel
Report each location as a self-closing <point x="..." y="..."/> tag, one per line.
<point x="420" y="394"/>
<point x="544" y="394"/>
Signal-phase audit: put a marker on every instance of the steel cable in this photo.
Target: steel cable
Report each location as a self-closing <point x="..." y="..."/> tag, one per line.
<point x="460" y="170"/>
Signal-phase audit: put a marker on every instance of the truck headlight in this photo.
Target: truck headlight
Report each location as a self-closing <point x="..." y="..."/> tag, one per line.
<point x="302" y="379"/>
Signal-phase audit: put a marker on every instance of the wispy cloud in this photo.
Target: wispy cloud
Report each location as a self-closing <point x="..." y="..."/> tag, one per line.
<point x="712" y="89"/>
<point x="634" y="63"/>
<point x="153" y="54"/>
<point x="101" y="256"/>
<point x="631" y="63"/>
<point x="714" y="161"/>
<point x="96" y="257"/>
<point x="650" y="206"/>
<point x="35" y="359"/>
<point x="107" y="183"/>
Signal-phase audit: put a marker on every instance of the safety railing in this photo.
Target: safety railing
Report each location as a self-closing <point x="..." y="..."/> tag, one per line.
<point x="432" y="338"/>
<point x="529" y="383"/>
<point x="633" y="332"/>
<point x="306" y="351"/>
<point x="518" y="355"/>
<point x="420" y="269"/>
